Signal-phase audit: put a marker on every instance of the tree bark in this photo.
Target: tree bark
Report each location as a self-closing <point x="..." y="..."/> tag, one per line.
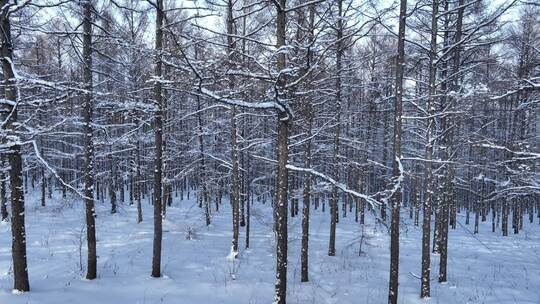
<point x="397" y="167"/>
<point x="138" y="184"/>
<point x="428" y="202"/>
<point x="284" y="124"/>
<point x="112" y="188"/>
<point x="158" y="140"/>
<point x="447" y="141"/>
<point x="235" y="190"/>
<point x="306" y="195"/>
<point x="3" y="197"/>
<point x="88" y="143"/>
<point x="9" y="114"/>
<point x="335" y="196"/>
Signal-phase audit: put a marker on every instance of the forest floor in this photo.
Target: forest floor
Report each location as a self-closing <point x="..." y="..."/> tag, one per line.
<point x="482" y="268"/>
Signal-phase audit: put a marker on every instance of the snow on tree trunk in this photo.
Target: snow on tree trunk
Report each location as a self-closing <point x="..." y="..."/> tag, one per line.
<point x="88" y="143"/>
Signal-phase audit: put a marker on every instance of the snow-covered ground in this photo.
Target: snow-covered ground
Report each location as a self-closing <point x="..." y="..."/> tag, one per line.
<point x="483" y="268"/>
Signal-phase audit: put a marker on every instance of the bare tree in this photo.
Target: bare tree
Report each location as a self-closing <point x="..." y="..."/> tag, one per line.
<point x="9" y="119"/>
<point x="88" y="142"/>
<point x="158" y="141"/>
<point x="397" y="169"/>
<point x="282" y="179"/>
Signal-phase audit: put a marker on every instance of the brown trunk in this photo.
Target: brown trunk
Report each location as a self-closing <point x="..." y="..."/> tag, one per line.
<point x="3" y="197"/>
<point x="88" y="143"/>
<point x="284" y="123"/>
<point x="505" y="217"/>
<point x="43" y="184"/>
<point x="396" y="168"/>
<point x="428" y="201"/>
<point x="158" y="140"/>
<point x="18" y="248"/>
<point x="112" y="190"/>
<point x="235" y="188"/>
<point x="447" y="141"/>
<point x="335" y="196"/>
<point x="138" y="186"/>
<point x="306" y="195"/>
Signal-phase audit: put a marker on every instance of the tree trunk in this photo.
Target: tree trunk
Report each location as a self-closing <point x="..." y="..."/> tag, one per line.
<point x="203" y="193"/>
<point x="284" y="124"/>
<point x="88" y="143"/>
<point x="3" y="197"/>
<point x="20" y="268"/>
<point x="43" y="184"/>
<point x="138" y="185"/>
<point x="158" y="140"/>
<point x="247" y="181"/>
<point x="505" y="217"/>
<point x="235" y="187"/>
<point x="18" y="247"/>
<point x="448" y="195"/>
<point x="306" y="201"/>
<point x="397" y="173"/>
<point x="335" y="196"/>
<point x="112" y="188"/>
<point x="306" y="195"/>
<point x="249" y="202"/>
<point x="428" y="201"/>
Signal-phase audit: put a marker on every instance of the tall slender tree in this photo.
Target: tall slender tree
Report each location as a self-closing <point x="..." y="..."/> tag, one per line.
<point x="158" y="142"/>
<point x="334" y="214"/>
<point x="235" y="188"/>
<point x="88" y="141"/>
<point x="397" y="169"/>
<point x="306" y="195"/>
<point x="282" y="179"/>
<point x="9" y="115"/>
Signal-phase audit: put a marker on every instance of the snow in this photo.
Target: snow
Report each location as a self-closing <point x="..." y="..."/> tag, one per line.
<point x="483" y="268"/>
<point x="232" y="254"/>
<point x="241" y="103"/>
<point x="369" y="199"/>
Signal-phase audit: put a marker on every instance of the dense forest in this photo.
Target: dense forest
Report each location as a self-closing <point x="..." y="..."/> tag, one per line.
<point x="393" y="115"/>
